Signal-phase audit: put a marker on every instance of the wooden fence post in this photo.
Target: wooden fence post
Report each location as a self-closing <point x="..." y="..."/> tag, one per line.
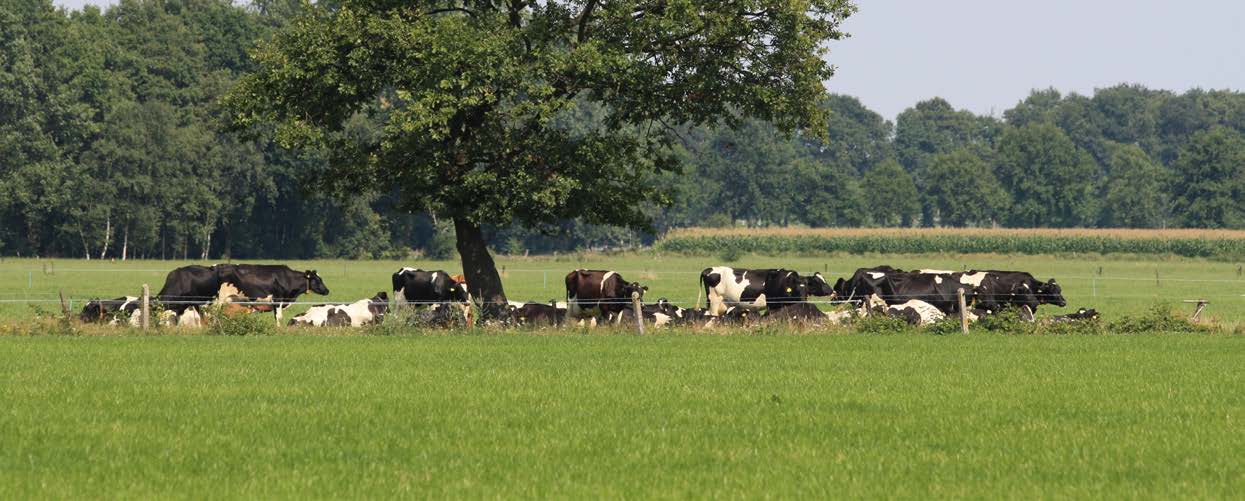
<point x="145" y="320"/>
<point x="64" y="306"/>
<point x="959" y="293"/>
<point x="635" y="308"/>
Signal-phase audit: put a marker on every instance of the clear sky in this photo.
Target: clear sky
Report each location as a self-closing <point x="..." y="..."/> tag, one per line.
<point x="986" y="55"/>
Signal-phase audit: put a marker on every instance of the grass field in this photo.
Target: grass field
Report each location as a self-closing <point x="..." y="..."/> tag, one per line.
<point x="558" y="414"/>
<point x="611" y="416"/>
<point x="1125" y="285"/>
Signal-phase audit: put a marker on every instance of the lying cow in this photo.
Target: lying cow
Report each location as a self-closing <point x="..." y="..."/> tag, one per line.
<point x="538" y="314"/>
<point x="757" y="289"/>
<point x="357" y="314"/>
<point x="916" y="312"/>
<point x="112" y="311"/>
<point x="598" y="294"/>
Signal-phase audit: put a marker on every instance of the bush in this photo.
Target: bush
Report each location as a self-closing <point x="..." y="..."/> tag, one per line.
<point x="880" y="324"/>
<point x="730" y="255"/>
<point x="1162" y="317"/>
<point x="246" y="324"/>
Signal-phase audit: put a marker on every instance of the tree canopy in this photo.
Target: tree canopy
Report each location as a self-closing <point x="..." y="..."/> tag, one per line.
<point x="115" y="141"/>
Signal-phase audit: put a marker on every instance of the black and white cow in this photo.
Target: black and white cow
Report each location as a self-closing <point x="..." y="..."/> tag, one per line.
<point x="937" y="289"/>
<point x="755" y="289"/>
<point x="865" y="282"/>
<point x="275" y="283"/>
<point x="412" y="285"/>
<point x="112" y="311"/>
<point x="192" y="286"/>
<point x="187" y="287"/>
<point x="661" y="313"/>
<point x="357" y="314"/>
<point x="539" y="314"/>
<point x="598" y="294"/>
<point x="916" y="312"/>
<point x="999" y="289"/>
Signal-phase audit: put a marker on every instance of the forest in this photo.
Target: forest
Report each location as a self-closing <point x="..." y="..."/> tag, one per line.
<point x="114" y="144"/>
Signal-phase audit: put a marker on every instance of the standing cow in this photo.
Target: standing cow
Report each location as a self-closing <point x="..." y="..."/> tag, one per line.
<point x="191" y="286"/>
<point x="755" y="289"/>
<point x="598" y="294"/>
<point x="419" y="287"/>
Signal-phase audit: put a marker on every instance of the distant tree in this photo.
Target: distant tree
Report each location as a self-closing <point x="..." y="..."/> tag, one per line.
<point x="1039" y="106"/>
<point x="1052" y="182"/>
<point x="469" y="95"/>
<point x="963" y="191"/>
<point x="932" y="128"/>
<point x="1134" y="194"/>
<point x="830" y="195"/>
<point x="1209" y="190"/>
<point x="855" y="135"/>
<point x="890" y="194"/>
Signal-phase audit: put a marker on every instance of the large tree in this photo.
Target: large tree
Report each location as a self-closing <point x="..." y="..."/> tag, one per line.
<point x="469" y="95"/>
<point x="1209" y="190"/>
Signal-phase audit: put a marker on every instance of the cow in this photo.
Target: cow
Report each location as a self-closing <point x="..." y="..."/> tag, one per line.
<point x="189" y="286"/>
<point x="753" y="289"/>
<point x="598" y="294"/>
<point x="420" y="287"/>
<point x="412" y="285"/>
<point x="193" y="286"/>
<point x="1081" y="314"/>
<point x="937" y="289"/>
<point x="1000" y="289"/>
<point x="916" y="312"/>
<point x="865" y="282"/>
<point x="275" y="283"/>
<point x="357" y="314"/>
<point x="538" y="314"/>
<point x="661" y="313"/>
<point x="112" y="311"/>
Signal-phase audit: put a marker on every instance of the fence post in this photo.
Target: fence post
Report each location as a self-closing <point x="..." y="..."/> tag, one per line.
<point x="1156" y="278"/>
<point x="64" y="306"/>
<point x="959" y="294"/>
<point x="1093" y="282"/>
<point x="544" y="284"/>
<point x="145" y="320"/>
<point x="635" y="308"/>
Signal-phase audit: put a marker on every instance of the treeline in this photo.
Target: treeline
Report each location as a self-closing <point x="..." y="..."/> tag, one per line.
<point x="113" y="143"/>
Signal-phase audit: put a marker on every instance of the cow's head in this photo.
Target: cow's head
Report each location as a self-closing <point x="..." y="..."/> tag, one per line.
<point x="818" y="286"/>
<point x="94" y="311"/>
<point x="635" y="287"/>
<point x="1051" y="293"/>
<point x="459" y="291"/>
<point x="315" y="283"/>
<point x="379" y="305"/>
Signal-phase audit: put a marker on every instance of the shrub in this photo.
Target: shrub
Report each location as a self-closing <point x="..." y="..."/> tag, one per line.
<point x="880" y="324"/>
<point x="247" y="324"/>
<point x="1161" y="317"/>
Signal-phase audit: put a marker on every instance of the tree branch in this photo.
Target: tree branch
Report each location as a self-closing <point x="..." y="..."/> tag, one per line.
<point x="450" y="9"/>
<point x="584" y="17"/>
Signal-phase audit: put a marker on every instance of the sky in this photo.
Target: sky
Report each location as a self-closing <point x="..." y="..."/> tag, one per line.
<point x="987" y="55"/>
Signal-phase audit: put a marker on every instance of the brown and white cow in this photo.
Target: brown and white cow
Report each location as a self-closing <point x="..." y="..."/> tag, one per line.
<point x="598" y="294"/>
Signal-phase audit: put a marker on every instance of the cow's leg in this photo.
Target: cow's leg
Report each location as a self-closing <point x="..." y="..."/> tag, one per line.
<point x="716" y="308"/>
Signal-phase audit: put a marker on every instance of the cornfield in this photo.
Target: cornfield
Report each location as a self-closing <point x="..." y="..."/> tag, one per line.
<point x="1217" y="244"/>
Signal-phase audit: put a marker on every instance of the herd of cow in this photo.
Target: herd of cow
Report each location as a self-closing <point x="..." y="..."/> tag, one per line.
<point x="594" y="296"/>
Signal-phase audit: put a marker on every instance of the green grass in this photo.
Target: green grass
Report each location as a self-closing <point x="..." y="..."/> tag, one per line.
<point x="613" y="416"/>
<point x="1126" y="285"/>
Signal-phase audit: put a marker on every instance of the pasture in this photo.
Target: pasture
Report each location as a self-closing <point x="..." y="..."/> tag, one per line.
<point x="560" y="414"/>
<point x="1114" y="285"/>
<point x="613" y="416"/>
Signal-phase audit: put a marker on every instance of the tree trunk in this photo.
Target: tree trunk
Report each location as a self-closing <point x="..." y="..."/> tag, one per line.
<point x="482" y="278"/>
<point x="125" y="242"/>
<point x="103" y="253"/>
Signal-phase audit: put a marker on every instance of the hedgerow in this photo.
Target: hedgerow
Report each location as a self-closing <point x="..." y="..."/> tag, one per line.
<point x="1215" y="248"/>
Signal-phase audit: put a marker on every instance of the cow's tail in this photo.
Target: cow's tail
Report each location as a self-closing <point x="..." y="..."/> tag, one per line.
<point x="703" y="288"/>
